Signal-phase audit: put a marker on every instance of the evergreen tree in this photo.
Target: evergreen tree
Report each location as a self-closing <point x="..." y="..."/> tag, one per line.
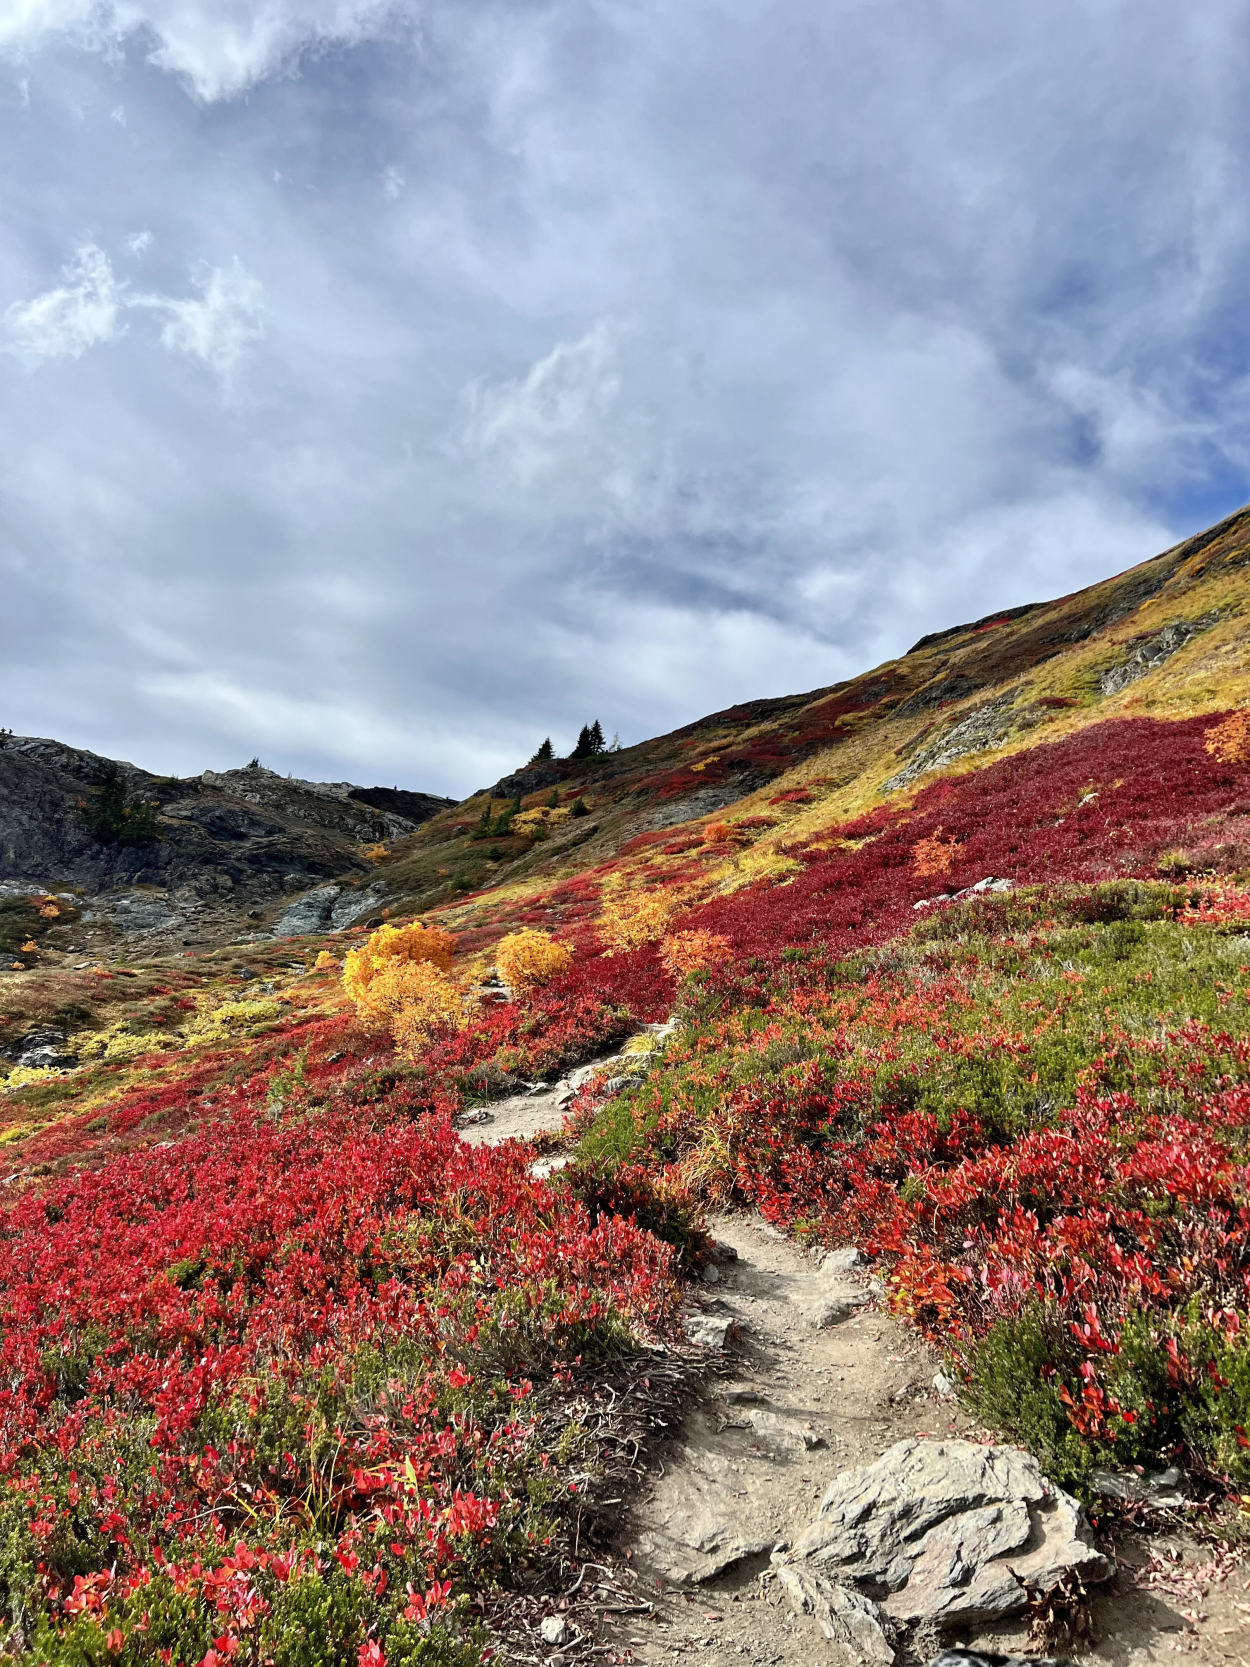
<point x="580" y="807"/>
<point x="544" y="752"/>
<point x="597" y="743"/>
<point x="585" y="743"/>
<point x="114" y="818"/>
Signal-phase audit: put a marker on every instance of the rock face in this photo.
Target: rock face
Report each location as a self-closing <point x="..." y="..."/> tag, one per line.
<point x="934" y="1531"/>
<point x="235" y="839"/>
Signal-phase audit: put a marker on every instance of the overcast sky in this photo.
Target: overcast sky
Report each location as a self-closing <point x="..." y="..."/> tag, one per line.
<point x="384" y="386"/>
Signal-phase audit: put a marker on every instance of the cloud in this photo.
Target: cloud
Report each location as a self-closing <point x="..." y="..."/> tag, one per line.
<point x="217" y="327"/>
<point x="580" y="392"/>
<point x="220" y="325"/>
<point x="78" y="314"/>
<point x="218" y="47"/>
<point x="531" y="423"/>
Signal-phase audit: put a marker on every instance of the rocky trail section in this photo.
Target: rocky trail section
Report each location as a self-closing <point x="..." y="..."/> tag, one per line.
<point x="827" y="1500"/>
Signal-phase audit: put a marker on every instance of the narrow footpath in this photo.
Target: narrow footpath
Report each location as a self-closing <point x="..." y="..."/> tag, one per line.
<point x="810" y="1377"/>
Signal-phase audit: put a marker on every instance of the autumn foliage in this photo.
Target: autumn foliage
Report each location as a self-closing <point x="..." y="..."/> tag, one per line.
<point x="933" y="855"/>
<point x="633" y="916"/>
<point x="1229" y="740"/>
<point x="528" y="959"/>
<point x="686" y="952"/>
<point x="281" y="1357"/>
<point x="400" y="982"/>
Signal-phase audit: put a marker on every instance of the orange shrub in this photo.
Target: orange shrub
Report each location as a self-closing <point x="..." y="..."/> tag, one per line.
<point x="685" y="952"/>
<point x="1230" y="740"/>
<point x="324" y="960"/>
<point x="933" y="855"/>
<point x="529" y="958"/>
<point x="427" y="1000"/>
<point x="377" y="975"/>
<point x="716" y="833"/>
<point x="633" y="918"/>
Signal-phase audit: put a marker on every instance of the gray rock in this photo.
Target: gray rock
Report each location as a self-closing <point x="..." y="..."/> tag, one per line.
<point x="945" y="1386"/>
<point x="937" y="1531"/>
<point x="694" y="1526"/>
<point x="841" y="1261"/>
<point x="555" y="1630"/>
<point x="542" y="1168"/>
<point x="782" y="1434"/>
<point x="980" y="730"/>
<point x="1153" y="652"/>
<point x="310" y="913"/>
<point x="990" y="1658"/>
<point x="852" y="1623"/>
<point x="709" y="1331"/>
<point x="1164" y="1491"/>
<point x="43" y="1047"/>
<point x="832" y="1296"/>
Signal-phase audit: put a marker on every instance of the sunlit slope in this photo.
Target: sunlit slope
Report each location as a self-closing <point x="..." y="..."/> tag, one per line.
<point x="1164" y="639"/>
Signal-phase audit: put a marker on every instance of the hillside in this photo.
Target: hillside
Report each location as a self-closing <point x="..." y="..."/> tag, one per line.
<point x="219" y="849"/>
<point x="398" y="1295"/>
<point x="1163" y="639"/>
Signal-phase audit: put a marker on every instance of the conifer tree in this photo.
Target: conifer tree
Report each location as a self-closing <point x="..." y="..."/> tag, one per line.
<point x="544" y="752"/>
<point x="585" y="743"/>
<point x="597" y="743"/>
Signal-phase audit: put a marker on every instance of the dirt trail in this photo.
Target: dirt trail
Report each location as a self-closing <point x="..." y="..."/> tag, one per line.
<point x="814" y="1379"/>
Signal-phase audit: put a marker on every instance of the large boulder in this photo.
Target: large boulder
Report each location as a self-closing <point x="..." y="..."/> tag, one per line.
<point x="943" y="1532"/>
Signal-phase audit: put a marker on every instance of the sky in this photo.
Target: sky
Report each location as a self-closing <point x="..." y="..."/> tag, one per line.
<point x="388" y="384"/>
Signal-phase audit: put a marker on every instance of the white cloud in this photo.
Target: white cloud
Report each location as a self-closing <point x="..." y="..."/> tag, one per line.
<point x="393" y="183"/>
<point x="218" y="47"/>
<point x="532" y="423"/>
<point x="220" y="325"/>
<point x="217" y="326"/>
<point x="338" y="727"/>
<point x="64" y="322"/>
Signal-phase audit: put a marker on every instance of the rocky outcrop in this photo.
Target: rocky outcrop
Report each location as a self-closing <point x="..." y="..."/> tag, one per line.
<point x="1153" y="651"/>
<point x="943" y="1532"/>
<point x="980" y="730"/>
<point x="237" y="839"/>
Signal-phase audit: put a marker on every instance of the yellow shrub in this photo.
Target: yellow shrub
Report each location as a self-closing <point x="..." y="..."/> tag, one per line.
<point x="1230" y="740"/>
<point x="22" y="1075"/>
<point x="324" y="961"/>
<point x="685" y="952"/>
<point x="633" y="918"/>
<point x="529" y="958"/>
<point x="423" y="999"/>
<point x="118" y="1043"/>
<point x="543" y="816"/>
<point x="392" y="946"/>
<point x="933" y="855"/>
<point x="375" y="853"/>
<point x="49" y="910"/>
<point x="29" y="947"/>
<point x="716" y="833"/>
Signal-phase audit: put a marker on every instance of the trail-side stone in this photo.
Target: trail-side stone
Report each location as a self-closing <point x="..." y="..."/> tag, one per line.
<point x="990" y="1658"/>
<point x="781" y="1434"/>
<point x="555" y="1630"/>
<point x="831" y="1295"/>
<point x="695" y="1525"/>
<point x="709" y="1331"/>
<point x="851" y="1622"/>
<point x="939" y="1531"/>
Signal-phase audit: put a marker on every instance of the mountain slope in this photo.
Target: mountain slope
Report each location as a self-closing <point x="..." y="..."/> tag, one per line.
<point x="223" y="845"/>
<point x="1165" y="638"/>
<point x="945" y="967"/>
